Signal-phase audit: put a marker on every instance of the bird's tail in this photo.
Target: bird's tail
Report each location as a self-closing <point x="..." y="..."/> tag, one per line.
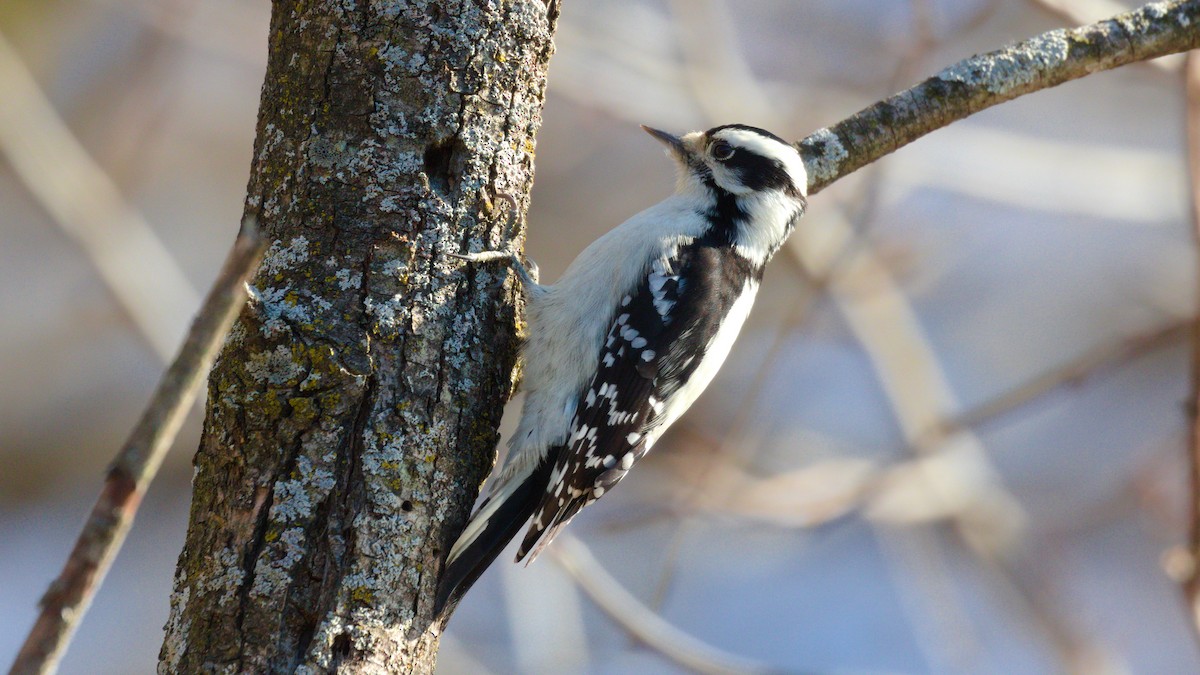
<point x="490" y="529"/>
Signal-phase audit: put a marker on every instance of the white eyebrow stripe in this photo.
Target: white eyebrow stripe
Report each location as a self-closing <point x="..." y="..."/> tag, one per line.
<point x="769" y="147"/>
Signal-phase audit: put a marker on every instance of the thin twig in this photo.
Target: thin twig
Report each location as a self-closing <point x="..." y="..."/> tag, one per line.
<point x="130" y="474"/>
<point x="985" y="80"/>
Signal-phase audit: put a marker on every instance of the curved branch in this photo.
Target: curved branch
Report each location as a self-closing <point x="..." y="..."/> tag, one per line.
<point x="642" y="622"/>
<point x="984" y="80"/>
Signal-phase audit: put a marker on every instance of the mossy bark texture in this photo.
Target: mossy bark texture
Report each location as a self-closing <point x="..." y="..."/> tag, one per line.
<point x="360" y="390"/>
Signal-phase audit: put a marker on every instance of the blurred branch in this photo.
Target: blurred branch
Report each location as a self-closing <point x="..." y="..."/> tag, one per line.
<point x="84" y="202"/>
<point x="982" y="81"/>
<point x="224" y="28"/>
<point x="136" y="464"/>
<point x="1069" y="374"/>
<point x="1191" y="578"/>
<point x="546" y="621"/>
<point x="935" y="605"/>
<point x="807" y="497"/>
<point x="952" y="478"/>
<point x="710" y="480"/>
<point x="1031" y="171"/>
<point x="722" y="84"/>
<point x="142" y="94"/>
<point x="635" y="82"/>
<point x="823" y="491"/>
<point x="715" y="66"/>
<point x="957" y="479"/>
<point x="640" y="621"/>
<point x="953" y="475"/>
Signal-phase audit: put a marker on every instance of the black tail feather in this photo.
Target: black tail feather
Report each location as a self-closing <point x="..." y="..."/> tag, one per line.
<point x="459" y="575"/>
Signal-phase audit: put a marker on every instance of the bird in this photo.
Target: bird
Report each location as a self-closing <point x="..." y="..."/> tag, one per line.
<point x="630" y="335"/>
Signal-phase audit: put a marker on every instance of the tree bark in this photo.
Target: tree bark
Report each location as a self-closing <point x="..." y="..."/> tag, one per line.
<point x="363" y="384"/>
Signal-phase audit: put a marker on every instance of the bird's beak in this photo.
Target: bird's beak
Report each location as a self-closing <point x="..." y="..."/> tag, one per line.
<point x="673" y="142"/>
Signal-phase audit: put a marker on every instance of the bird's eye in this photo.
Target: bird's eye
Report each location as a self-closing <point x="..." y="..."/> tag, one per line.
<point x="721" y="151"/>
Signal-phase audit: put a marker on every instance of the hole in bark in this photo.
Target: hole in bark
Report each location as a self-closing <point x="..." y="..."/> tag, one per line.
<point x="406" y="505"/>
<point x="307" y="630"/>
<point x="441" y="165"/>
<point x="341" y="645"/>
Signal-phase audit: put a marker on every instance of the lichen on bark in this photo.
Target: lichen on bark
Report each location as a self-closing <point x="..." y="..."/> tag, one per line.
<point x="362" y="386"/>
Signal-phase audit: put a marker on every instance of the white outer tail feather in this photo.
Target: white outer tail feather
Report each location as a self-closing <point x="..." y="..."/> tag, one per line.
<point x="480" y="520"/>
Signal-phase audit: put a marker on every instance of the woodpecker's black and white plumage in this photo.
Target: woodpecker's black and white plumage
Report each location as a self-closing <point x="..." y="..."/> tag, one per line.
<point x="631" y="334"/>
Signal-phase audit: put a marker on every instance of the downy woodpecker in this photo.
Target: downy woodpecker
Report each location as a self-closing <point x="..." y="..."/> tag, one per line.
<point x="631" y="334"/>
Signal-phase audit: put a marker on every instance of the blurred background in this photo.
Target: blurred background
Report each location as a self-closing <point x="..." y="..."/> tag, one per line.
<point x="952" y="438"/>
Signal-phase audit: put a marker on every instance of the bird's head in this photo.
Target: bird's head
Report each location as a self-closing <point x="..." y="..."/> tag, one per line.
<point x="753" y="181"/>
<point x="739" y="159"/>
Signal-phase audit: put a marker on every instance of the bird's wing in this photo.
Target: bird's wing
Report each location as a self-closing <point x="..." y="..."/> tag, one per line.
<point x="656" y="340"/>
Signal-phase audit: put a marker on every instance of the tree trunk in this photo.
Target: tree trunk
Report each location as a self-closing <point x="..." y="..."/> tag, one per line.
<point x="352" y="413"/>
